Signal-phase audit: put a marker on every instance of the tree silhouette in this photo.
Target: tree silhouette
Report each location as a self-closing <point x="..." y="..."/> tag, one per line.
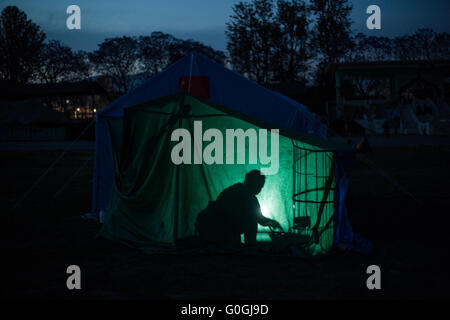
<point x="20" y="43"/>
<point x="117" y="58"/>
<point x="59" y="63"/>
<point x="154" y="51"/>
<point x="250" y="38"/>
<point x="180" y="48"/>
<point x="160" y="49"/>
<point x="332" y="34"/>
<point x="292" y="48"/>
<point x="424" y="44"/>
<point x="441" y="45"/>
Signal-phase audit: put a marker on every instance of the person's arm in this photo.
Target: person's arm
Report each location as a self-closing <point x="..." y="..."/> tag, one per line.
<point x="269" y="223"/>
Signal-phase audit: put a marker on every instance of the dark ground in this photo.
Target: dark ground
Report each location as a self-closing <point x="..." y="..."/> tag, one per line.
<point x="46" y="234"/>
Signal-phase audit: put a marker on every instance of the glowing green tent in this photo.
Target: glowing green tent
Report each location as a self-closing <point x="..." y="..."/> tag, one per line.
<point x="155" y="202"/>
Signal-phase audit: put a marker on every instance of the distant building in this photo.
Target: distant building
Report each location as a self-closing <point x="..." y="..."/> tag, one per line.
<point x="403" y="97"/>
<point x="50" y="111"/>
<point x="28" y="120"/>
<point x="78" y="100"/>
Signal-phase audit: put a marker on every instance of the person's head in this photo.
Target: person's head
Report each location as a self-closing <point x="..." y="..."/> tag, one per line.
<point x="254" y="181"/>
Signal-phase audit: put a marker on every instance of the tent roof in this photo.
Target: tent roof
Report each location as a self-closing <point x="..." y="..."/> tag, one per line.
<point x="227" y="89"/>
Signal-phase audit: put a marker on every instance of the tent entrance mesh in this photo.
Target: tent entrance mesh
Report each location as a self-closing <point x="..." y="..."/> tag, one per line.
<point x="313" y="187"/>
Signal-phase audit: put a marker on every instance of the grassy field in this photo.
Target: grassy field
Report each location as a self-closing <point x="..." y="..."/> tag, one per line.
<point x="45" y="234"/>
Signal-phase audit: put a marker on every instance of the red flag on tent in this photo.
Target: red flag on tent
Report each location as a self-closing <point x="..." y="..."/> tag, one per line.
<point x="198" y="86"/>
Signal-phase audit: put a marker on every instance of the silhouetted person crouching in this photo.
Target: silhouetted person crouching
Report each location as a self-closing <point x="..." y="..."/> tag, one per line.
<point x="236" y="211"/>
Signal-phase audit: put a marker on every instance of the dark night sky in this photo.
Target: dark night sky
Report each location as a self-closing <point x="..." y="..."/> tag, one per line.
<point x="203" y="20"/>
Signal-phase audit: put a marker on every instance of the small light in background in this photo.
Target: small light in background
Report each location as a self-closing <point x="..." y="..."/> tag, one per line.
<point x="78" y="109"/>
<point x="95" y="110"/>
